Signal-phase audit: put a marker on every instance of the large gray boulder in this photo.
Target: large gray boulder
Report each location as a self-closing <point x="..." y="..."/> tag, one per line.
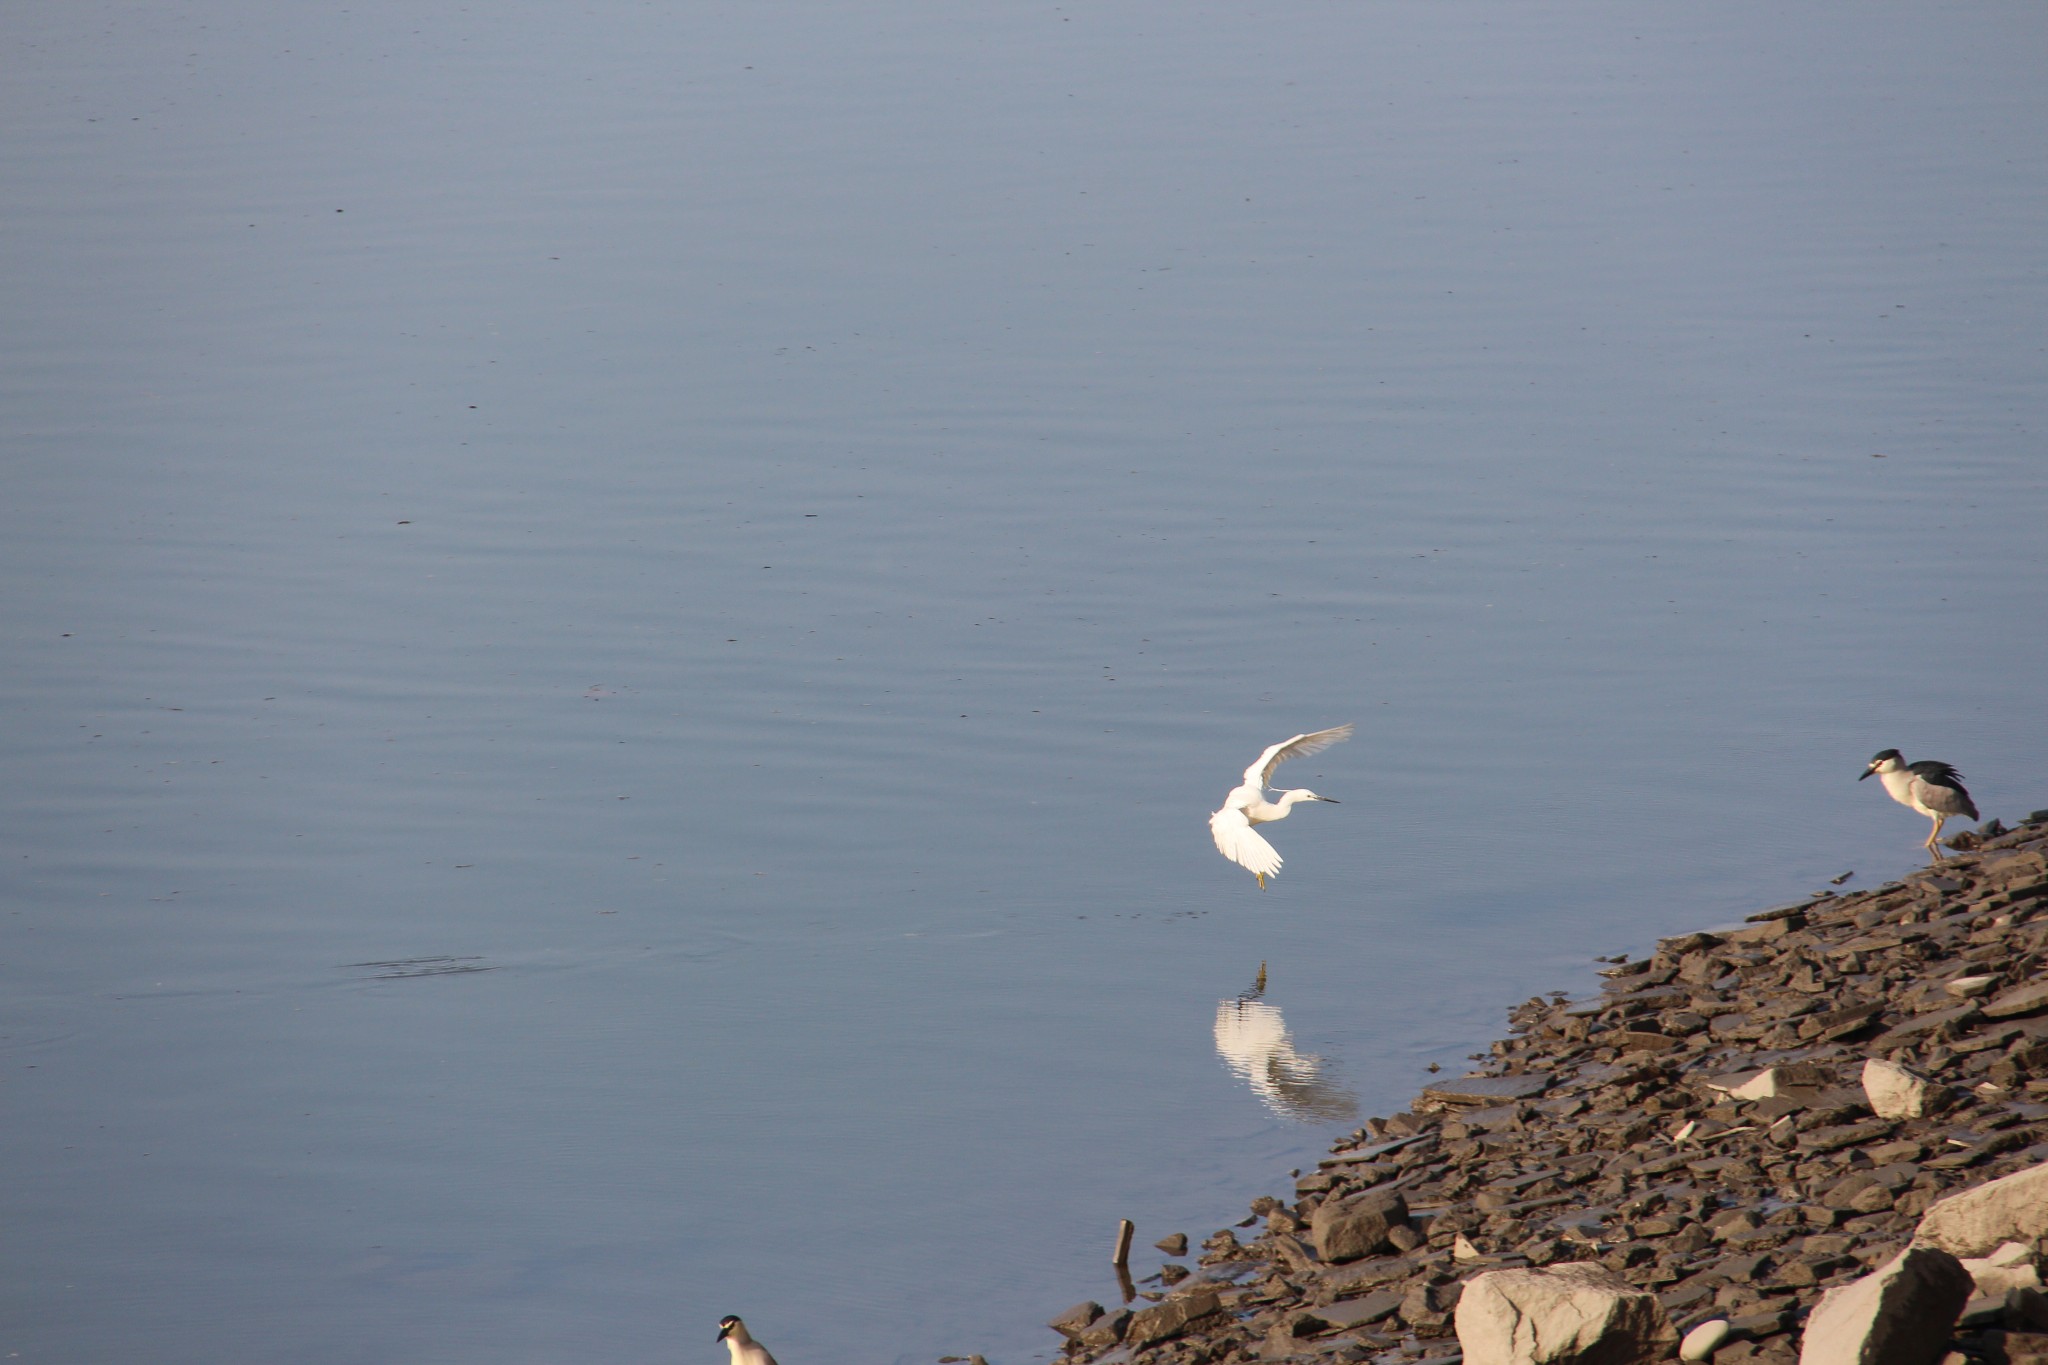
<point x="1571" y="1314"/>
<point x="1978" y="1221"/>
<point x="1898" y="1314"/>
<point x="1345" y="1230"/>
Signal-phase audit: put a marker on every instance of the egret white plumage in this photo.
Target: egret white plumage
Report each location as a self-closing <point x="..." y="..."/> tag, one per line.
<point x="745" y="1350"/>
<point x="1252" y="1040"/>
<point x="1247" y="805"/>
<point x="1934" y="789"/>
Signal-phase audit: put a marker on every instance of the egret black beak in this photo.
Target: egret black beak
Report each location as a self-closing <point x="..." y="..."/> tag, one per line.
<point x="1331" y="799"/>
<point x="1865" y="773"/>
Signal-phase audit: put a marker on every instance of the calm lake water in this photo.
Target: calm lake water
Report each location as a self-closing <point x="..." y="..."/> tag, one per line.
<point x="622" y="620"/>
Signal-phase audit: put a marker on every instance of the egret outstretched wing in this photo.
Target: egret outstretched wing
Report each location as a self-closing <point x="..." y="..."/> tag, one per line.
<point x="1260" y="774"/>
<point x="1243" y="845"/>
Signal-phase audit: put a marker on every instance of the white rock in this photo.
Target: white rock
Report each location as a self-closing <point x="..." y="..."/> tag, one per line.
<point x="1968" y="987"/>
<point x="1463" y="1250"/>
<point x="2012" y="1208"/>
<point x="1893" y="1091"/>
<point x="2008" y="1268"/>
<point x="1562" y="1313"/>
<point x="1898" y="1314"/>
<point x="1703" y="1340"/>
<point x="1772" y="1081"/>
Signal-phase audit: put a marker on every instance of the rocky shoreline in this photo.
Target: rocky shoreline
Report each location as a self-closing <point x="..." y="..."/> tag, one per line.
<point x="1743" y="1123"/>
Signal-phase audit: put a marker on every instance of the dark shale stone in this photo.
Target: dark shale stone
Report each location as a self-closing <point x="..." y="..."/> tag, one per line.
<point x="1164" y="1321"/>
<point x="1076" y="1319"/>
<point x="1488" y="1089"/>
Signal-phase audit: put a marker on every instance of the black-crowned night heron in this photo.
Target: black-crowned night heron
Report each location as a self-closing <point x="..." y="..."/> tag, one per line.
<point x="1247" y="804"/>
<point x="745" y="1350"/>
<point x="1934" y="789"/>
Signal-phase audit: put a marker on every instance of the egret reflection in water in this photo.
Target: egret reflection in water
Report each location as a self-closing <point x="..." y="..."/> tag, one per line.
<point x="1252" y="1040"/>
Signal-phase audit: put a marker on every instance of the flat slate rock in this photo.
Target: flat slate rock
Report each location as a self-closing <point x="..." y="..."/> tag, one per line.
<point x="1374" y="1152"/>
<point x="1488" y="1089"/>
<point x="2029" y="999"/>
<point x="1936" y="1021"/>
<point x="1358" y="1312"/>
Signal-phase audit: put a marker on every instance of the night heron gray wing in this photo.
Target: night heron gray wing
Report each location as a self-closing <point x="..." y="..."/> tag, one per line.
<point x="1940" y="787"/>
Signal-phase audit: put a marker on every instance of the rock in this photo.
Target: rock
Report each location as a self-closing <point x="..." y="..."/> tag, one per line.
<point x="1700" y="1342"/>
<point x="1970" y="987"/>
<point x="1899" y="1314"/>
<point x="1487" y="1089"/>
<point x="1295" y="1253"/>
<point x="1643" y="1040"/>
<point x="1988" y="1311"/>
<point x="2026" y="1308"/>
<point x="2009" y="1267"/>
<point x="1571" y="1314"/>
<point x="1847" y="1023"/>
<point x="2020" y="1000"/>
<point x="1893" y="1091"/>
<point x="1345" y="1230"/>
<point x="1075" y="1320"/>
<point x="1773" y="1080"/>
<point x="2017" y="1348"/>
<point x="1976" y="1221"/>
<point x="1173" y="1245"/>
<point x="1430" y="1305"/>
<point x="1106" y="1330"/>
<point x="1358" y="1312"/>
<point x="1766" y="1322"/>
<point x="1164" y="1321"/>
<point x="1769" y="929"/>
<point x="1921" y="1028"/>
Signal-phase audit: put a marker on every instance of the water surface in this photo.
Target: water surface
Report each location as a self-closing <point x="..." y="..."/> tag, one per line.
<point x="622" y="623"/>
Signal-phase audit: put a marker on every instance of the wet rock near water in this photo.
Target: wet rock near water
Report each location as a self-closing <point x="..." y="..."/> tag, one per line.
<point x="1822" y="1132"/>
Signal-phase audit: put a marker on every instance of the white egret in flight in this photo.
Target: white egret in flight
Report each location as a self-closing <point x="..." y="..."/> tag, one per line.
<point x="1247" y="804"/>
